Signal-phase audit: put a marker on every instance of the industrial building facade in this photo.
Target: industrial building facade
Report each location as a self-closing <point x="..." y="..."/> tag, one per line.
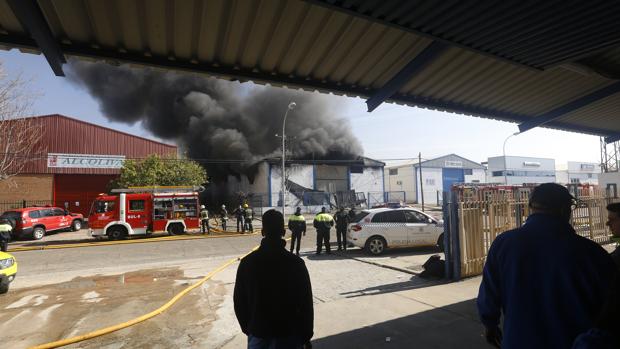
<point x="77" y="161"/>
<point x="437" y="175"/>
<point x="520" y="170"/>
<point x="311" y="183"/>
<point x="575" y="172"/>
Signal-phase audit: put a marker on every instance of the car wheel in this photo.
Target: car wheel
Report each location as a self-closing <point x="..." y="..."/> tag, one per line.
<point x="4" y="288"/>
<point x="440" y="243"/>
<point x="77" y="225"/>
<point x="38" y="233"/>
<point x="115" y="234"/>
<point x="376" y="245"/>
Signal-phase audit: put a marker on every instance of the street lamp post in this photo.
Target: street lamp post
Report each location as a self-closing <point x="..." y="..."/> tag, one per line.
<point x="291" y="106"/>
<point x="504" y="153"/>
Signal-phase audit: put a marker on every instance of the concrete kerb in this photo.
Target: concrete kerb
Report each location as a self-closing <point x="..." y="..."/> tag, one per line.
<point x="131" y="241"/>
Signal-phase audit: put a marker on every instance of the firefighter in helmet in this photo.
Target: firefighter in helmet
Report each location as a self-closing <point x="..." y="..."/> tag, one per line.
<point x="204" y="220"/>
<point x="224" y="214"/>
<point x="248" y="215"/>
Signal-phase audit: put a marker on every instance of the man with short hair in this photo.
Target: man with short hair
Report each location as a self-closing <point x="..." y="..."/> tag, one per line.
<point x="273" y="294"/>
<point x="613" y="222"/>
<point x="548" y="282"/>
<point x="323" y="222"/>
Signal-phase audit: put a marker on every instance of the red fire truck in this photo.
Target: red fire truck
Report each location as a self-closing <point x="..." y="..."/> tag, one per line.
<point x="142" y="211"/>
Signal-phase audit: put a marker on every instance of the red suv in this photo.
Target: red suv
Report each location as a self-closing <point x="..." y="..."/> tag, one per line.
<point x="34" y="222"/>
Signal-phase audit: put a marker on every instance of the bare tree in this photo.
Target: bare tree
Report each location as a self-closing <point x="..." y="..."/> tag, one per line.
<point x="20" y="137"/>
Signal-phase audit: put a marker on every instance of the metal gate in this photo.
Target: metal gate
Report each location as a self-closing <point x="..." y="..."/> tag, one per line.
<point x="473" y="222"/>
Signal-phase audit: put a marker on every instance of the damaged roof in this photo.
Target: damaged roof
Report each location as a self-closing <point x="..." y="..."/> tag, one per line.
<point x="549" y="63"/>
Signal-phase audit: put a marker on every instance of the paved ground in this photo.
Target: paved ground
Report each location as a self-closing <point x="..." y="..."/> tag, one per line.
<point x="61" y="293"/>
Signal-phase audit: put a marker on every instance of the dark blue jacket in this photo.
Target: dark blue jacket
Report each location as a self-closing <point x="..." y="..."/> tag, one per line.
<point x="548" y="282"/>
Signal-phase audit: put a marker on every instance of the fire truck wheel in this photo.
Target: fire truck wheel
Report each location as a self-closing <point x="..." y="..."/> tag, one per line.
<point x="115" y="233"/>
<point x="175" y="229"/>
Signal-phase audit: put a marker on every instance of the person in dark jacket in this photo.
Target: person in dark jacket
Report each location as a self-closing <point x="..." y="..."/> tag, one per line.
<point x="5" y="234"/>
<point x="613" y="222"/>
<point x="342" y="221"/>
<point x="323" y="222"/>
<point x="239" y="214"/>
<point x="548" y="282"/>
<point x="297" y="226"/>
<point x="273" y="294"/>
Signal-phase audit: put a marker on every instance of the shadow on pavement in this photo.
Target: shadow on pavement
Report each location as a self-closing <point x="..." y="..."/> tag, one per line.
<point x="413" y="283"/>
<point x="452" y="326"/>
<point x="396" y="252"/>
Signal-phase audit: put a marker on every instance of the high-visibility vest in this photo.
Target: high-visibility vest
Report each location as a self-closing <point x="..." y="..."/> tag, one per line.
<point x="296" y="218"/>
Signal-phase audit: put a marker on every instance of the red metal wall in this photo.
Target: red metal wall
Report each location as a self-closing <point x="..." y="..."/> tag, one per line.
<point x="61" y="134"/>
<point x="82" y="189"/>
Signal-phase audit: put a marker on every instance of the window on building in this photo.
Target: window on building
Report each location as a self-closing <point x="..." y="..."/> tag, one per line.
<point x="357" y="169"/>
<point x="574" y="180"/>
<point x="498" y="173"/>
<point x="452" y="163"/>
<point x="590" y="175"/>
<point x="468" y="171"/>
<point x="136" y="205"/>
<point x="393" y="172"/>
<point x="430" y="181"/>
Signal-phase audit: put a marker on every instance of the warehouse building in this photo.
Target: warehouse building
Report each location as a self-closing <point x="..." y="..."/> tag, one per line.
<point x="576" y="172"/>
<point x="437" y="175"/>
<point x="77" y="161"/>
<point x="520" y="170"/>
<point x="312" y="183"/>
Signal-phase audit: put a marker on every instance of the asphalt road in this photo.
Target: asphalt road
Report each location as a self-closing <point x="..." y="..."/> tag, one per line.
<point x="67" y="292"/>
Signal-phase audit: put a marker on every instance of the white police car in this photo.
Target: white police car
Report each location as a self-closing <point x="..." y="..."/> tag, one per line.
<point x="377" y="229"/>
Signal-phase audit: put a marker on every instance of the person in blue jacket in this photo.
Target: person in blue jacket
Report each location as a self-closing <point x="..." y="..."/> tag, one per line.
<point x="548" y="282"/>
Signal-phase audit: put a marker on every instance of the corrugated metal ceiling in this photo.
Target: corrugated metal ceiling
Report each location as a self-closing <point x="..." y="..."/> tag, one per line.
<point x="508" y="61"/>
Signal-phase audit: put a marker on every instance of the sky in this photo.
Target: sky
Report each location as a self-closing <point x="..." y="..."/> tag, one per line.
<point x="388" y="133"/>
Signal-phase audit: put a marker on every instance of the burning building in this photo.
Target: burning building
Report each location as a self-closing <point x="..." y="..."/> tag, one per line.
<point x="228" y="127"/>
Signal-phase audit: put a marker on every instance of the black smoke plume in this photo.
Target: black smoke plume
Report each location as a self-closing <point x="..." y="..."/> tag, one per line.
<point x="225" y="125"/>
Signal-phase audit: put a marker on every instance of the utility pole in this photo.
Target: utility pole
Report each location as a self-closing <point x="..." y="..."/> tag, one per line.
<point x="421" y="185"/>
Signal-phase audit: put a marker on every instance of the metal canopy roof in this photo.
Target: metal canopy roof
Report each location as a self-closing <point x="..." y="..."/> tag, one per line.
<point x="547" y="63"/>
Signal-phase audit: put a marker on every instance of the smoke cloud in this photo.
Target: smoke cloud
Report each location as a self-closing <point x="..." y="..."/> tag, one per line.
<point x="216" y="119"/>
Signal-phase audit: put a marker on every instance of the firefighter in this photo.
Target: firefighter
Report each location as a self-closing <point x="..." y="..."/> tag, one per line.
<point x="224" y="214"/>
<point x="204" y="220"/>
<point x="323" y="223"/>
<point x="342" y="221"/>
<point x="297" y="225"/>
<point x="5" y="234"/>
<point x="248" y="216"/>
<point x="240" y="216"/>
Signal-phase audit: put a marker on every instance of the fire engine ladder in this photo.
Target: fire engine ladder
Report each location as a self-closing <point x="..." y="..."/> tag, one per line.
<point x="159" y="189"/>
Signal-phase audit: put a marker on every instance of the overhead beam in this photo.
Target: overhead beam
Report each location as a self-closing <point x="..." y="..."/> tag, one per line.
<point x="292" y="81"/>
<point x="421" y="61"/>
<point x="31" y="18"/>
<point x="569" y="107"/>
<point x="612" y="139"/>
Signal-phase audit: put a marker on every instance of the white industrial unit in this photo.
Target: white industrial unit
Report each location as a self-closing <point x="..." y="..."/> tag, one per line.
<point x="520" y="169"/>
<point x="362" y="175"/>
<point x="578" y="172"/>
<point x="437" y="175"/>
